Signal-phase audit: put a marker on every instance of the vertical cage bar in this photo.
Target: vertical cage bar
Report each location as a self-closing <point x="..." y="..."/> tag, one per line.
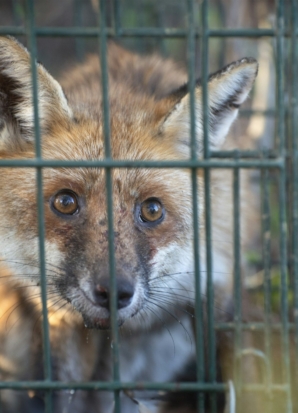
<point x="284" y="288"/>
<point x="161" y="11"/>
<point x="266" y="233"/>
<point x="237" y="282"/>
<point x="30" y="23"/>
<point x="78" y="21"/>
<point x="117" y="17"/>
<point x="205" y="70"/>
<point x="199" y="328"/>
<point x="282" y="200"/>
<point x="15" y="9"/>
<point x="223" y="47"/>
<point x="109" y="191"/>
<point x="139" y="7"/>
<point x="294" y="137"/>
<point x="208" y="231"/>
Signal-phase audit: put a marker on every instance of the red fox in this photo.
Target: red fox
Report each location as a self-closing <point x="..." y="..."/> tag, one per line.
<point x="152" y="210"/>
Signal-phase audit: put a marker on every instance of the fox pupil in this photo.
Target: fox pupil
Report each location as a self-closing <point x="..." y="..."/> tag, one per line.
<point x="67" y="200"/>
<point x="151" y="211"/>
<point x="153" y="208"/>
<point x="65" y="203"/>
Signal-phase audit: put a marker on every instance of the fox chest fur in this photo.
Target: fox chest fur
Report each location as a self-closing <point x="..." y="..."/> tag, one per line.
<point x="152" y="207"/>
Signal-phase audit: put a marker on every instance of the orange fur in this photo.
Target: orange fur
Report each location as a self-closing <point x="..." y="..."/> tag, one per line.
<point x="149" y="113"/>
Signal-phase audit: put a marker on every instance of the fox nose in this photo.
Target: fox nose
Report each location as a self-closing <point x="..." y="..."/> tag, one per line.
<point x="125" y="292"/>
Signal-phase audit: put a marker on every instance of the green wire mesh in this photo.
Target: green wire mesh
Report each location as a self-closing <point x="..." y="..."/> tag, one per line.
<point x="283" y="160"/>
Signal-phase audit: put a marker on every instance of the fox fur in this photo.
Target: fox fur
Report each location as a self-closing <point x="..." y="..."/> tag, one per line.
<point x="149" y="120"/>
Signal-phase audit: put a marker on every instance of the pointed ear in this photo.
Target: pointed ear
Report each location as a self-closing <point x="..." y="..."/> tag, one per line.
<point x="16" y="99"/>
<point x="227" y="90"/>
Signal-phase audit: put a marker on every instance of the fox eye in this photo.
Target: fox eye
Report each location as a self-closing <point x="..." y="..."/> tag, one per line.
<point x="151" y="211"/>
<point x="65" y="202"/>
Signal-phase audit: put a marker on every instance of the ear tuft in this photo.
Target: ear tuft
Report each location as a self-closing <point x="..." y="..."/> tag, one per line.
<point x="227" y="90"/>
<point x="232" y="84"/>
<point x="16" y="100"/>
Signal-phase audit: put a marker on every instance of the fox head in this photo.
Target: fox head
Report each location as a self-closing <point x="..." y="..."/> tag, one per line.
<point x="152" y="208"/>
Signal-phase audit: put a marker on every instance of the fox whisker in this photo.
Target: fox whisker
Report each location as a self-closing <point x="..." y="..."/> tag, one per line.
<point x="149" y="307"/>
<point x="153" y="302"/>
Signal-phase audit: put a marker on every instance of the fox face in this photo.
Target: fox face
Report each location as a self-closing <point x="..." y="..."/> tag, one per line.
<point x="152" y="208"/>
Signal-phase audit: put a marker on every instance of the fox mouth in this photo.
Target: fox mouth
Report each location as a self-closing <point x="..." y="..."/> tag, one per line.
<point x="100" y="323"/>
<point x="96" y="317"/>
<point x="96" y="323"/>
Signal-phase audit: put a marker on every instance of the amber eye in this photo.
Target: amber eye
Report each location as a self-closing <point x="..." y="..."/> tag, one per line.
<point x="151" y="210"/>
<point x="66" y="202"/>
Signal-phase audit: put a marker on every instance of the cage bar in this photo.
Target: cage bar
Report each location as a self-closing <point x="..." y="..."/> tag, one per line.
<point x="208" y="216"/>
<point x="41" y="231"/>
<point x="78" y="11"/>
<point x="109" y="193"/>
<point x="111" y="163"/>
<point x="140" y="32"/>
<point x="280" y="18"/>
<point x="199" y="323"/>
<point x="237" y="284"/>
<point x="294" y="134"/>
<point x="266" y="233"/>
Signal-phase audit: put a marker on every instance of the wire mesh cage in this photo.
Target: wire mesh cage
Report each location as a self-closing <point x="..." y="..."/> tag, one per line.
<point x="205" y="35"/>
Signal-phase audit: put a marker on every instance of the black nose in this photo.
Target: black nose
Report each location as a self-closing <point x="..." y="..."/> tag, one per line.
<point x="125" y="292"/>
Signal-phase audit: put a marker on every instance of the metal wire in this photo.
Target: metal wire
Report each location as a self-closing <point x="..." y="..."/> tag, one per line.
<point x="40" y="213"/>
<point x="109" y="191"/>
<point x="141" y="32"/>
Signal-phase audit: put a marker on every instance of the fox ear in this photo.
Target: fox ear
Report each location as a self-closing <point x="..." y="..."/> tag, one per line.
<point x="16" y="99"/>
<point x="227" y="90"/>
